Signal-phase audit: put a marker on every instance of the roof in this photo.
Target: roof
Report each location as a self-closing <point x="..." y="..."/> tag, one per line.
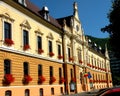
<point x="68" y="20"/>
<point x="36" y="10"/>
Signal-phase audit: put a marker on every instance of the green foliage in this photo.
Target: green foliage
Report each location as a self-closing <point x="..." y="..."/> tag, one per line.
<point x="113" y="28"/>
<point x="100" y="41"/>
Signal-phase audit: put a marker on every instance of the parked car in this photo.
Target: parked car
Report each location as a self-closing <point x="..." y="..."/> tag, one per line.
<point x="115" y="91"/>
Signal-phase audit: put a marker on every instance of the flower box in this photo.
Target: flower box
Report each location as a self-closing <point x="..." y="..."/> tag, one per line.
<point x="60" y="56"/>
<point x="62" y="80"/>
<point x="40" y="51"/>
<point x="26" y="47"/>
<point x="71" y="59"/>
<point x="8" y="42"/>
<point x="27" y="79"/>
<point x="80" y="61"/>
<point x="85" y="74"/>
<point x="8" y="78"/>
<point x="51" y="54"/>
<point x="41" y="79"/>
<point x="52" y="79"/>
<point x="90" y="81"/>
<point x="73" y="80"/>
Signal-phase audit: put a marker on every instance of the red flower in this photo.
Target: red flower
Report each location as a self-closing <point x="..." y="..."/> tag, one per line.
<point x="9" y="42"/>
<point x="8" y="78"/>
<point x="60" y="56"/>
<point x="51" y="54"/>
<point x="62" y="80"/>
<point x="80" y="61"/>
<point x="27" y="79"/>
<point x="26" y="47"/>
<point x="41" y="79"/>
<point x="71" y="59"/>
<point x="86" y="74"/>
<point x="73" y="79"/>
<point x="52" y="79"/>
<point x="40" y="51"/>
<point x="110" y="81"/>
<point x="90" y="80"/>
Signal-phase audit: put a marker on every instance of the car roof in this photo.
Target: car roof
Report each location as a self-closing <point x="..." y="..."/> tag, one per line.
<point x="112" y="90"/>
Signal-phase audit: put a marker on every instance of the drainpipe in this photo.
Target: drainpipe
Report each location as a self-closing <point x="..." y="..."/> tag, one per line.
<point x="64" y="64"/>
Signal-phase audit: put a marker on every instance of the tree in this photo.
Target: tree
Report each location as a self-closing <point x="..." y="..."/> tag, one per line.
<point x="113" y="28"/>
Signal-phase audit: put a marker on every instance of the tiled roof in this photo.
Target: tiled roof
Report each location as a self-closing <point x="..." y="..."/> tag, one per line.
<point x="36" y="11"/>
<point x="68" y="20"/>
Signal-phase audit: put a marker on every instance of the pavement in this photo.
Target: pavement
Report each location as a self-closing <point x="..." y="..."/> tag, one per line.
<point x="90" y="93"/>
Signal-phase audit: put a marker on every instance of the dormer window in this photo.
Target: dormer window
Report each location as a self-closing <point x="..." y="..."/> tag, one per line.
<point x="23" y="2"/>
<point x="45" y="13"/>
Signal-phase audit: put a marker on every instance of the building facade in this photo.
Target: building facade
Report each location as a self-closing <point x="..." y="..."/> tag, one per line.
<point x="43" y="56"/>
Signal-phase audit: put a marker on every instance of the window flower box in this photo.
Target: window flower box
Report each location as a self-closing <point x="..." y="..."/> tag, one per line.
<point x="52" y="79"/>
<point x="71" y="59"/>
<point x="8" y="42"/>
<point x="62" y="80"/>
<point x="8" y="78"/>
<point x="90" y="81"/>
<point x="73" y="80"/>
<point x="27" y="79"/>
<point x="41" y="79"/>
<point x="80" y="61"/>
<point x="60" y="56"/>
<point x="97" y="81"/>
<point x="26" y="47"/>
<point x="85" y="74"/>
<point x="88" y="64"/>
<point x="51" y="54"/>
<point x="96" y="67"/>
<point x="40" y="51"/>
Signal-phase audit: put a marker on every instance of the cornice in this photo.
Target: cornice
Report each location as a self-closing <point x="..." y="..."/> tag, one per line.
<point x="29" y="54"/>
<point x="32" y="15"/>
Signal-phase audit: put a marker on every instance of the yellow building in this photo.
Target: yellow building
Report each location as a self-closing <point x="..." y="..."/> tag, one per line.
<point x="43" y="56"/>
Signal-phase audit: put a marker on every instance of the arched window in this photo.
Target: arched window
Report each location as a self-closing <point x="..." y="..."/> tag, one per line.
<point x="39" y="70"/>
<point x="7" y="66"/>
<point x="52" y="91"/>
<point x="8" y="93"/>
<point x="27" y="93"/>
<point x="41" y="91"/>
<point x="25" y="67"/>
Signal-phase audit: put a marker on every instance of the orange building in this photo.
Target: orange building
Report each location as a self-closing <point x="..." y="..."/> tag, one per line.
<point x="43" y="56"/>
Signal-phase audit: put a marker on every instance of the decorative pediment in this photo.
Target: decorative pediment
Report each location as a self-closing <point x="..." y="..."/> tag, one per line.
<point x="26" y="24"/>
<point x="38" y="32"/>
<point x="79" y="48"/>
<point x="50" y="36"/>
<point x="6" y="16"/>
<point x="68" y="43"/>
<point x="58" y="41"/>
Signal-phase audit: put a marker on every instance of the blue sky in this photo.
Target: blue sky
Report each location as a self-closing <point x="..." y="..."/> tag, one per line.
<point x="92" y="13"/>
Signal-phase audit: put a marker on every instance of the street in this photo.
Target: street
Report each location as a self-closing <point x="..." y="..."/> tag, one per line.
<point x="91" y="93"/>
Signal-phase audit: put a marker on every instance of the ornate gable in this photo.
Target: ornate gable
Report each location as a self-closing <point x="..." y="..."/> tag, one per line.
<point x="26" y="24"/>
